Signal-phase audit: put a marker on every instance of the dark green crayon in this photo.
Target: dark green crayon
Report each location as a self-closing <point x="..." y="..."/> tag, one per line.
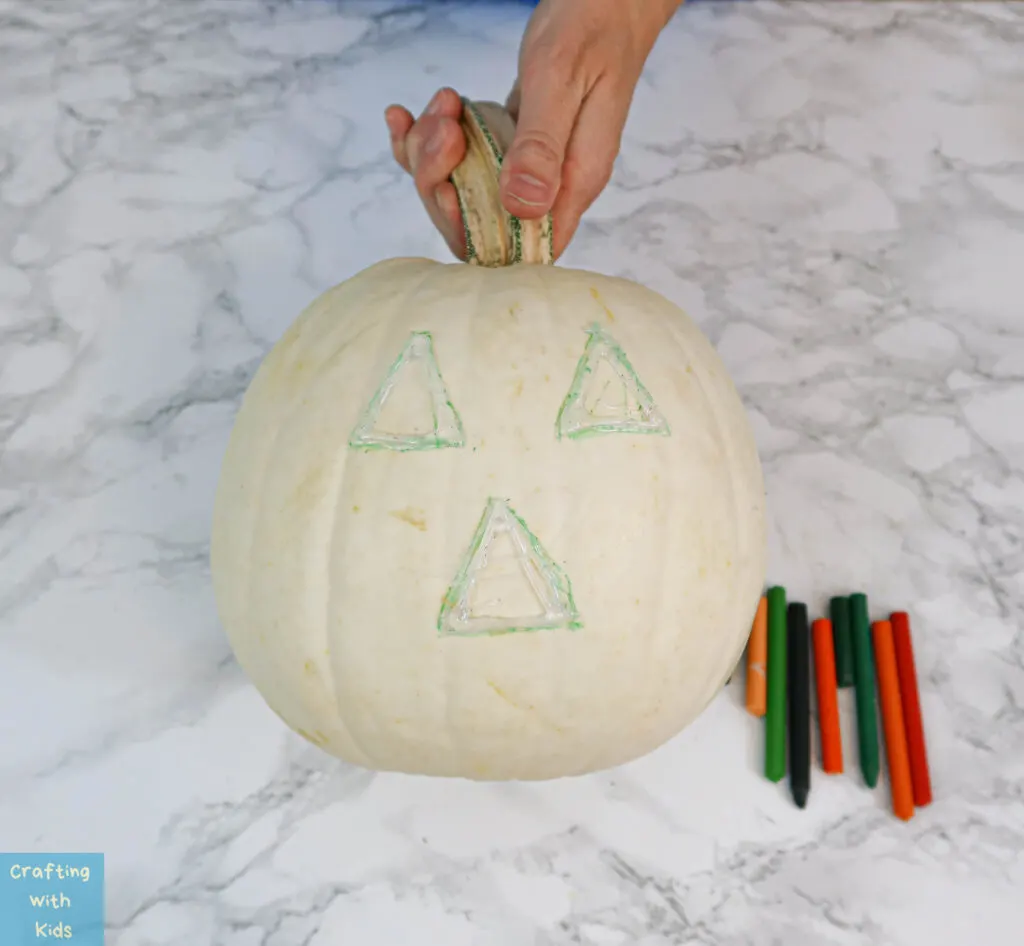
<point x="864" y="686"/>
<point x="839" y="611"/>
<point x="798" y="635"/>
<point x="775" y="717"/>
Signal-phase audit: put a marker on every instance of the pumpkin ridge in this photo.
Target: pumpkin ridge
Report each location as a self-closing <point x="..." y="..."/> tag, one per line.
<point x="728" y="448"/>
<point x="398" y="300"/>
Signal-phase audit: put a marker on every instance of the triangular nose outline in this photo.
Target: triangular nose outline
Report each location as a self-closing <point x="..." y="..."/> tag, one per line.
<point x="444" y="426"/>
<point x="547" y="581"/>
<point x="577" y="420"/>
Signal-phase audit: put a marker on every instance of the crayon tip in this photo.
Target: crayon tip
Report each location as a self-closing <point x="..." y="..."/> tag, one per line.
<point x="800" y="793"/>
<point x="871" y="775"/>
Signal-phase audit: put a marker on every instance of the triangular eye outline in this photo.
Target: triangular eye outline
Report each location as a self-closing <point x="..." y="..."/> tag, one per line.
<point x="572" y="420"/>
<point x="447" y="433"/>
<point x="547" y="579"/>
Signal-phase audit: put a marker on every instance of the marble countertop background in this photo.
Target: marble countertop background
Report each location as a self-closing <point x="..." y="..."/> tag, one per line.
<point x="834" y="191"/>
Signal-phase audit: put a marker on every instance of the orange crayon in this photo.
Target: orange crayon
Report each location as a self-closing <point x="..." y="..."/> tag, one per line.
<point x="911" y="700"/>
<point x="828" y="702"/>
<point x="892" y="720"/>
<point x="757" y="662"/>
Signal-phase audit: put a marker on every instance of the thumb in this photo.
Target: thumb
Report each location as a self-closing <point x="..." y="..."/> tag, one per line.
<point x="531" y="173"/>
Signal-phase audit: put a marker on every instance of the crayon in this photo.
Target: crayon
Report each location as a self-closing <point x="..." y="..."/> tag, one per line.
<point x="775" y="715"/>
<point x="757" y="660"/>
<point x="799" y="695"/>
<point x="839" y="611"/>
<point x="828" y="703"/>
<point x="909" y="696"/>
<point x="864" y="688"/>
<point x="892" y="721"/>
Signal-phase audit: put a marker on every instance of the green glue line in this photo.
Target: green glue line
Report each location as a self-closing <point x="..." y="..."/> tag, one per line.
<point x="839" y="611"/>
<point x="864" y="685"/>
<point x="775" y="717"/>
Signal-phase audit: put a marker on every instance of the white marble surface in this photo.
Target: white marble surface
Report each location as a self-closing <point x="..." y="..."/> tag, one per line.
<point x="835" y="191"/>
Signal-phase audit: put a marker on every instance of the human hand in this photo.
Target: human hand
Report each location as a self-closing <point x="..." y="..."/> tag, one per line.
<point x="579" y="63"/>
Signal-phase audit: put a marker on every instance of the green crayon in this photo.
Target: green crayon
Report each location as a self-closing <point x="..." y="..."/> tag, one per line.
<point x="839" y="611"/>
<point x="775" y="717"/>
<point x="864" y="687"/>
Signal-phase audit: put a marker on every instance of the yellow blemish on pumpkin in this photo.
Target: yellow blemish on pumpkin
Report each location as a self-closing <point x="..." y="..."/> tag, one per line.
<point x="321" y="738"/>
<point x="309" y="667"/>
<point x="517" y="388"/>
<point x="311" y="488"/>
<point x="597" y="298"/>
<point x="355" y="509"/>
<point x="689" y="369"/>
<point x="501" y="693"/>
<point x="417" y="518"/>
<point x="529" y="708"/>
<point x="547" y="377"/>
<point x="702" y="571"/>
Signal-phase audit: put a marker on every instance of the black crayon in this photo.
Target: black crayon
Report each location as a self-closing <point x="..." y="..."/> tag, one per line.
<point x="798" y="636"/>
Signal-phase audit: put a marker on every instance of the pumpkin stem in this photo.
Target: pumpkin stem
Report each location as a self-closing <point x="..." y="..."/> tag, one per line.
<point x="493" y="236"/>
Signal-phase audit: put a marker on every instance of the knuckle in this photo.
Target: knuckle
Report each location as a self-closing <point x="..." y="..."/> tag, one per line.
<point x="417" y="133"/>
<point x="539" y="146"/>
<point x="585" y="179"/>
<point x="425" y="186"/>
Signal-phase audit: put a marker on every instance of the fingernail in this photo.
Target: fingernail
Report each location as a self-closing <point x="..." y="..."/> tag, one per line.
<point x="528" y="190"/>
<point x="434" y="105"/>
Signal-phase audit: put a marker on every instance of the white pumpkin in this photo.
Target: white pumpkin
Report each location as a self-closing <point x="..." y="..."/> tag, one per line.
<point x="498" y="522"/>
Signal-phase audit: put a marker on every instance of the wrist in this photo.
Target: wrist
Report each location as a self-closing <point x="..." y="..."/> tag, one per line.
<point x="654" y="15"/>
<point x="656" y="11"/>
